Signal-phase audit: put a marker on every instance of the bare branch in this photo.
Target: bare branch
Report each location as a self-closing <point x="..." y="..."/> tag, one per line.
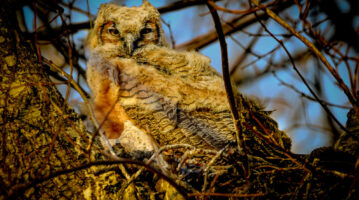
<point x="228" y="86"/>
<point x="315" y="50"/>
<point x="232" y="26"/>
<point x="180" y="5"/>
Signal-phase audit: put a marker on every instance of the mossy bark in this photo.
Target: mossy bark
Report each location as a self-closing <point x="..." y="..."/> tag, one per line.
<point x="41" y="135"/>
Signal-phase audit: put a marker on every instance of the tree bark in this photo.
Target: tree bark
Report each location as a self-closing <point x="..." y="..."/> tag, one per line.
<point x="42" y="138"/>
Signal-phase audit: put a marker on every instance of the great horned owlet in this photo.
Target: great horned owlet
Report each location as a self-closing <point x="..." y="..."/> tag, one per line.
<point x="137" y="80"/>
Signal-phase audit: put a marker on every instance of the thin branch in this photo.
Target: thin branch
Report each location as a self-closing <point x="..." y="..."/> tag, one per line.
<point x="315" y="50"/>
<point x="15" y="190"/>
<point x="58" y="31"/>
<point x="243" y="12"/>
<point x="228" y="85"/>
<point x="79" y="10"/>
<point x="305" y="95"/>
<point x="173" y="42"/>
<point x="232" y="26"/>
<point x="299" y="74"/>
<point x="214" y="194"/>
<point x="245" y="53"/>
<point x="180" y="5"/>
<point x="75" y="85"/>
<point x="269" y="68"/>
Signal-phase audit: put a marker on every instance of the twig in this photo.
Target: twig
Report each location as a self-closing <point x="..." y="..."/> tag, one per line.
<point x="69" y="48"/>
<point x="231" y="26"/>
<point x="89" y="13"/>
<point x="15" y="190"/>
<point x="248" y="11"/>
<point x="210" y="163"/>
<point x="269" y="68"/>
<point x="298" y="72"/>
<point x="75" y="85"/>
<point x="245" y="53"/>
<point x="194" y="152"/>
<point x="180" y="5"/>
<point x="72" y="7"/>
<point x="212" y="194"/>
<point x="91" y="113"/>
<point x="305" y="95"/>
<point x="173" y="42"/>
<point x="228" y="86"/>
<point x="314" y="49"/>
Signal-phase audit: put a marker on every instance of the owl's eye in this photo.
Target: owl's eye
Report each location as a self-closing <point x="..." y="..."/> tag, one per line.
<point x="113" y="31"/>
<point x="146" y="30"/>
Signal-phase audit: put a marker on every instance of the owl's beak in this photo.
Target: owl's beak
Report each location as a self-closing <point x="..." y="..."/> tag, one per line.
<point x="130" y="43"/>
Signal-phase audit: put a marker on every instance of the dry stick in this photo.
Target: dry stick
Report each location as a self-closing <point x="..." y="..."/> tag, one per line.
<point x="38" y="50"/>
<point x="233" y="25"/>
<point x="305" y="95"/>
<point x="173" y="42"/>
<point x="163" y="148"/>
<point x="210" y="163"/>
<point x="248" y="48"/>
<point x="228" y="86"/>
<point x="308" y="125"/>
<point x="15" y="190"/>
<point x="75" y="85"/>
<point x="68" y="89"/>
<point x="280" y="65"/>
<point x="180" y="5"/>
<point x="79" y="10"/>
<point x="350" y="74"/>
<point x="244" y="55"/>
<point x="92" y="115"/>
<point x="194" y="151"/>
<point x="314" y="49"/>
<point x="225" y="195"/>
<point x="356" y="75"/>
<point x="271" y="143"/>
<point x="88" y="13"/>
<point x="301" y="76"/>
<point x="99" y="130"/>
<point x="243" y="12"/>
<point x="324" y="43"/>
<point x="149" y="161"/>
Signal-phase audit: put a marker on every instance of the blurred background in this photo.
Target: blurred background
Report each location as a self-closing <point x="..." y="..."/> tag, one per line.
<point x="259" y="66"/>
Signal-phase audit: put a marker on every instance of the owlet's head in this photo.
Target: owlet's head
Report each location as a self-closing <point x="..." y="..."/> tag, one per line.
<point x="127" y="29"/>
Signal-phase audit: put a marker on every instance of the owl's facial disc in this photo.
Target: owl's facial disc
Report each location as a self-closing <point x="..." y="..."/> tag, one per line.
<point x="129" y="37"/>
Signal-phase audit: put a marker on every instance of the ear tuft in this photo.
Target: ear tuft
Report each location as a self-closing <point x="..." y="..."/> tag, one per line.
<point x="146" y="3"/>
<point x="104" y="6"/>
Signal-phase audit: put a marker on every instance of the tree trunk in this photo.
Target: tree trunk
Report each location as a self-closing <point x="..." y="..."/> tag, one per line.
<point x="42" y="140"/>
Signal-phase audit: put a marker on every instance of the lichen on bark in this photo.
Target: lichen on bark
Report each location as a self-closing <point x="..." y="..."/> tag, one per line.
<point x="37" y="140"/>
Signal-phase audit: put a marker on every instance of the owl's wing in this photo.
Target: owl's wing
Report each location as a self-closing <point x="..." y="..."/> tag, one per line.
<point x="184" y="64"/>
<point x="162" y="59"/>
<point x="171" y="122"/>
<point x="176" y="107"/>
